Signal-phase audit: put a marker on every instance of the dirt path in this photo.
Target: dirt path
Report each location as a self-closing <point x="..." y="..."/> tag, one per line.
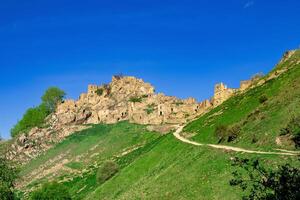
<point x="230" y="148"/>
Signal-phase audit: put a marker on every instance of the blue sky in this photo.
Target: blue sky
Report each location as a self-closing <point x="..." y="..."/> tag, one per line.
<point x="181" y="47"/>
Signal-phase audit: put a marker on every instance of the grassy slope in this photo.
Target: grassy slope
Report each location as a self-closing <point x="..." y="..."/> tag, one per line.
<point x="165" y="168"/>
<point x="173" y="170"/>
<point x="83" y="152"/>
<point x="260" y="120"/>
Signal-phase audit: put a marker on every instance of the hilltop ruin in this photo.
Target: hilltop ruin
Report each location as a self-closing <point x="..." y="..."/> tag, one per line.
<point x="125" y="98"/>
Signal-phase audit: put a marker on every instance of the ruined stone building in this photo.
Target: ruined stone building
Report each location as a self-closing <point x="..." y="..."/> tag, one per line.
<point x="129" y="98"/>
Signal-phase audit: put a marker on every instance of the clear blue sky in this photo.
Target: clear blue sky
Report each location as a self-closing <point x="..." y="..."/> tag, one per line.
<point x="181" y="47"/>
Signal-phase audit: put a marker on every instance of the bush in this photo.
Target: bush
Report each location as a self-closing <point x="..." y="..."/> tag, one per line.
<point x="8" y="175"/>
<point x="233" y="133"/>
<point x="293" y="129"/>
<point x="228" y="133"/>
<point x="258" y="182"/>
<point x="221" y="132"/>
<point x="136" y="99"/>
<point x="51" y="191"/>
<point x="52" y="97"/>
<point x="107" y="171"/>
<point x="33" y="117"/>
<point x="99" y="91"/>
<point x="263" y="99"/>
<point x="118" y="76"/>
<point x="150" y="108"/>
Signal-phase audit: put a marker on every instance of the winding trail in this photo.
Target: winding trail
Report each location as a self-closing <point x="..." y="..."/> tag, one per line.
<point x="230" y="148"/>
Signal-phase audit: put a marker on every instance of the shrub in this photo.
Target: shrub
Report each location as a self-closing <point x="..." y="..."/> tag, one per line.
<point x="258" y="182"/>
<point x="118" y="76"/>
<point x="8" y="175"/>
<point x="233" y="132"/>
<point x="136" y="99"/>
<point x="150" y="108"/>
<point x="254" y="139"/>
<point x="293" y="129"/>
<point x="228" y="133"/>
<point x="263" y="99"/>
<point x="99" y="91"/>
<point x="107" y="171"/>
<point x="221" y="132"/>
<point x="52" y="97"/>
<point x="33" y="117"/>
<point x="51" y="191"/>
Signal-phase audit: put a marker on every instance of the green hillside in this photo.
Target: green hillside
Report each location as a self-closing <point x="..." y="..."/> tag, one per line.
<point x="82" y="153"/>
<point x="259" y="122"/>
<point x="155" y="166"/>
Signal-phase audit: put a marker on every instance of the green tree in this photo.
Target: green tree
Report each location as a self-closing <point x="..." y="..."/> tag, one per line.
<point x="52" y="97"/>
<point x="8" y="175"/>
<point x="259" y="183"/>
<point x="51" y="191"/>
<point x="33" y="117"/>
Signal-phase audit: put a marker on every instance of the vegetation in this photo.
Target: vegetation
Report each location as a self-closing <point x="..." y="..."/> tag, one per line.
<point x="293" y="129"/>
<point x="51" y="191"/>
<point x="258" y="182"/>
<point x="52" y="97"/>
<point x="264" y="120"/>
<point x="118" y="76"/>
<point x="8" y="176"/>
<point x="35" y="117"/>
<point x="136" y="99"/>
<point x="154" y="166"/>
<point x="263" y="99"/>
<point x="150" y="108"/>
<point x="229" y="133"/>
<point x="99" y="91"/>
<point x="94" y="146"/>
<point x="107" y="171"/>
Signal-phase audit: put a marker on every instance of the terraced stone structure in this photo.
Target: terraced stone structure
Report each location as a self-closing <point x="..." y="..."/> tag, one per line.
<point x="127" y="98"/>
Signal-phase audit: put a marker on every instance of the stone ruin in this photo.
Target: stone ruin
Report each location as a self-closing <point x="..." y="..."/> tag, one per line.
<point x="129" y="98"/>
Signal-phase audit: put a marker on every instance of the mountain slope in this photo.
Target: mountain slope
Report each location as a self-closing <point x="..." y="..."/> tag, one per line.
<point x="155" y="166"/>
<point x="80" y="154"/>
<point x="260" y="122"/>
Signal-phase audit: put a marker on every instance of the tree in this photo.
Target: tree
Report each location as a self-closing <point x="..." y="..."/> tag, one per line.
<point x="108" y="170"/>
<point x="8" y="175"/>
<point x="51" y="191"/>
<point x="260" y="183"/>
<point x="52" y="97"/>
<point x="33" y="117"/>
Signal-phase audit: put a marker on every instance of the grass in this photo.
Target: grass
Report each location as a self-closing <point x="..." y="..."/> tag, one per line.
<point x="173" y="170"/>
<point x="83" y="152"/>
<point x="262" y="120"/>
